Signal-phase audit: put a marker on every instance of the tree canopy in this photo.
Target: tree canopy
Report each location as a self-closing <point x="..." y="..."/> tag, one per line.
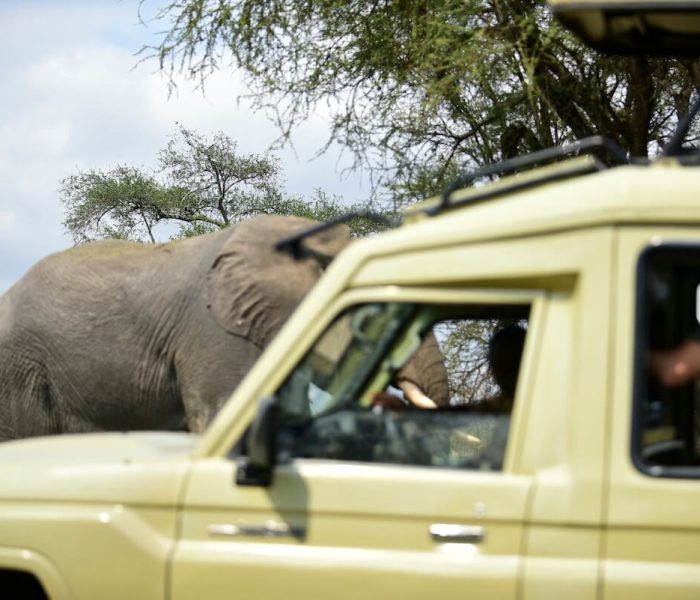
<point x="201" y="184"/>
<point x="421" y="88"/>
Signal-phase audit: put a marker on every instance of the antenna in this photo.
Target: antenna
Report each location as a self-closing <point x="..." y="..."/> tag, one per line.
<point x="675" y="144"/>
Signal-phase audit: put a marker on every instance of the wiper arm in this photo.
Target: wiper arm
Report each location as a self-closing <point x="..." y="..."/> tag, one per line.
<point x="292" y="243"/>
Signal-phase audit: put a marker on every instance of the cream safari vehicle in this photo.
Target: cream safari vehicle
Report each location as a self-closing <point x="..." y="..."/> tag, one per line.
<point x="585" y="484"/>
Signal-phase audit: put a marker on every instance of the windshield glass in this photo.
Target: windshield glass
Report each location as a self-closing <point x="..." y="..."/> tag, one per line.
<point x="420" y="384"/>
<point x="335" y="369"/>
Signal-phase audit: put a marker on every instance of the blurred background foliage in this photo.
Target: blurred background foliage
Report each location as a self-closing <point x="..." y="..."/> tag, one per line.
<point x="202" y="183"/>
<point x="421" y="89"/>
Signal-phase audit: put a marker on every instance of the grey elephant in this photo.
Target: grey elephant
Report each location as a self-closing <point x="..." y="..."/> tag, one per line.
<point x="119" y="335"/>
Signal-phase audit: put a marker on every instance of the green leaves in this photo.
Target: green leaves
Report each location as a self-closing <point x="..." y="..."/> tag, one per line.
<point x="420" y="86"/>
<point x="202" y="184"/>
<point x="123" y="203"/>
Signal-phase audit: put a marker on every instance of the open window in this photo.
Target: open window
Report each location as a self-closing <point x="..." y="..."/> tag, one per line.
<point x="666" y="424"/>
<point x="353" y="397"/>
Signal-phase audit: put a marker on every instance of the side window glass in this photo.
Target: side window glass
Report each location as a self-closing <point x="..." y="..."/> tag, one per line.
<point x="666" y="428"/>
<point x="411" y="384"/>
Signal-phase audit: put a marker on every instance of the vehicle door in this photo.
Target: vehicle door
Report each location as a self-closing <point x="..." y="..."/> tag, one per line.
<point x="369" y="495"/>
<point x="652" y="547"/>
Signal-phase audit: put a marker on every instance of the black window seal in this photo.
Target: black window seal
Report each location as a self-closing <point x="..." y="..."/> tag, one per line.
<point x="639" y="387"/>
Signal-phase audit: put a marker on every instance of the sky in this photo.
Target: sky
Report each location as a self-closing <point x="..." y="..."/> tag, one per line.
<point x="73" y="97"/>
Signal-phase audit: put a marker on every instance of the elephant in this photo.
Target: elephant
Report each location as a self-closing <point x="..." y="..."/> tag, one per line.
<point x="118" y="335"/>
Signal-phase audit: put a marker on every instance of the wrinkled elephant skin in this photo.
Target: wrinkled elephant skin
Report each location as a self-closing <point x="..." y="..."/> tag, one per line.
<point x="118" y="335"/>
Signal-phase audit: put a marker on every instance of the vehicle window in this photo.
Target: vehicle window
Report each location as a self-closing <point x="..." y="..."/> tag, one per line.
<point x="666" y="423"/>
<point x="401" y="383"/>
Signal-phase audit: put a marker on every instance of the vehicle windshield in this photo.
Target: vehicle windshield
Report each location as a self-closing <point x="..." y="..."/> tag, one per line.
<point x="422" y="384"/>
<point x="334" y="371"/>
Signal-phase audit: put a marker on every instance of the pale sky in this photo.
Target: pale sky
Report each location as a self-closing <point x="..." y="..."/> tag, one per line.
<point x="72" y="97"/>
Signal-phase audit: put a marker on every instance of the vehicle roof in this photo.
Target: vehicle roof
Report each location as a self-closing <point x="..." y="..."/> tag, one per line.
<point x="664" y="191"/>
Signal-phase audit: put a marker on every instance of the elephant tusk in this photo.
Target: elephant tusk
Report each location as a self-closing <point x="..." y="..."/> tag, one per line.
<point x="466" y="438"/>
<point x="415" y="395"/>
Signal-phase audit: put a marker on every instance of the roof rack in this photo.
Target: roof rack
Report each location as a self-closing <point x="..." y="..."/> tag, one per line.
<point x="513" y="165"/>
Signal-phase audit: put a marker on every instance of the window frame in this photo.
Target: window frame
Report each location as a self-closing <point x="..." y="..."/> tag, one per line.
<point x="640" y="368"/>
<point x="534" y="299"/>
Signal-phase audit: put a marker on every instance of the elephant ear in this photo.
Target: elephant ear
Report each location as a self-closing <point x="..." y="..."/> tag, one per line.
<point x="253" y="288"/>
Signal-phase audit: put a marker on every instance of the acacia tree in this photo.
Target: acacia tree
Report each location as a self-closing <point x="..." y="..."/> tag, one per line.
<point x="201" y="184"/>
<point x="421" y="88"/>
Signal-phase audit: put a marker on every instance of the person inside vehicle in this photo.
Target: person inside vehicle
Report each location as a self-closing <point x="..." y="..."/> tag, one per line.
<point x="504" y="355"/>
<point x="677" y="366"/>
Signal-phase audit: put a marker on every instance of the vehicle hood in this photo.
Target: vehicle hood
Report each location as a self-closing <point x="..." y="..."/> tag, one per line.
<point x="134" y="467"/>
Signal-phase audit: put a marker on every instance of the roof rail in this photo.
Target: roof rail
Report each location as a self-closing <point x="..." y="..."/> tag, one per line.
<point x="513" y="165"/>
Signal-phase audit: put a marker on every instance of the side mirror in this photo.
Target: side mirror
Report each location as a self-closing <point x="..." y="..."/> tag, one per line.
<point x="257" y="466"/>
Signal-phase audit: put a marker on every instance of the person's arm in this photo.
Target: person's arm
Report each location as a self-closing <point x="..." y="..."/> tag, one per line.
<point x="678" y="366"/>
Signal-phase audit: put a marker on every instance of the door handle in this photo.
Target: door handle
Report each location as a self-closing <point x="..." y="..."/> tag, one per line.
<point x="270" y="529"/>
<point x="464" y="534"/>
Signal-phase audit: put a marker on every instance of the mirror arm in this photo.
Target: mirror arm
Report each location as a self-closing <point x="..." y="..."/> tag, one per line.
<point x="257" y="466"/>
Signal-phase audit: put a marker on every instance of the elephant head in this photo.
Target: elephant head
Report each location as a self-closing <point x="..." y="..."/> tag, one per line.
<point x="253" y="287"/>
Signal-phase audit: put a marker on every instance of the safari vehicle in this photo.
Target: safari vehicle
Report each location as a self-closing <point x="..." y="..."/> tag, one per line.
<point x="584" y="484"/>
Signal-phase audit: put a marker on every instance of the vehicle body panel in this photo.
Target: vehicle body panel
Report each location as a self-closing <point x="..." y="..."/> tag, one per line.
<point x="653" y="525"/>
<point x="92" y="516"/>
